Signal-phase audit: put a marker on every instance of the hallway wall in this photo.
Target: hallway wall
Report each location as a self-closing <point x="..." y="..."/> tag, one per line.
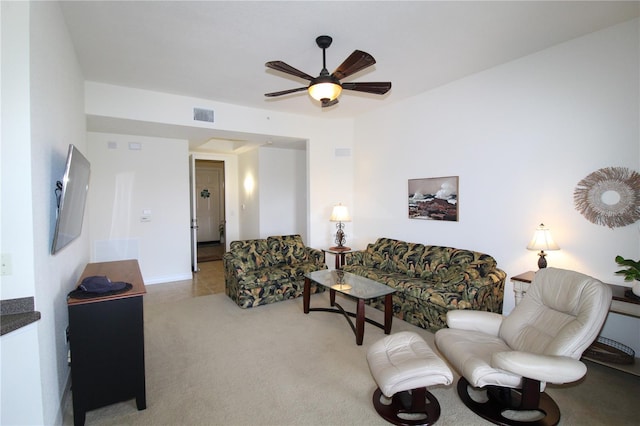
<point x="139" y="203"/>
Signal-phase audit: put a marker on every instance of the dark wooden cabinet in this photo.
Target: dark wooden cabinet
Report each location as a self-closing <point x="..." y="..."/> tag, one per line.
<point x="106" y="338"/>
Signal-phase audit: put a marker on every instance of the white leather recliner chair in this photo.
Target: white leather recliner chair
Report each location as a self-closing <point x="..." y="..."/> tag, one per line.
<point x="513" y="357"/>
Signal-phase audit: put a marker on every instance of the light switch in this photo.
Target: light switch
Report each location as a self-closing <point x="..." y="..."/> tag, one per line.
<point x="5" y="264"/>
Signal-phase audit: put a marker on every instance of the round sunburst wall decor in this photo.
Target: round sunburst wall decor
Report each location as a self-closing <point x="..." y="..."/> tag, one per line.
<point x="609" y="197"/>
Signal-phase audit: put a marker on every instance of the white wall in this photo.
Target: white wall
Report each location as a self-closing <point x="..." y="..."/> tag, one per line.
<point x="327" y="180"/>
<point x="19" y="360"/>
<point x="520" y="137"/>
<point x="17" y="233"/>
<point x="282" y="180"/>
<point x="46" y="107"/>
<point x="129" y="184"/>
<point x="273" y="198"/>
<point x="338" y="172"/>
<point x="249" y="208"/>
<point x="57" y="120"/>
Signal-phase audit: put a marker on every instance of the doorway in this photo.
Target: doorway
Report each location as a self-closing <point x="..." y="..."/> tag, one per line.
<point x="210" y="200"/>
<point x="209" y="210"/>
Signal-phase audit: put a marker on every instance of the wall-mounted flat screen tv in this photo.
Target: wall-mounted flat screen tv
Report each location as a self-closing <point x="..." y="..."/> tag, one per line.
<point x="71" y="197"/>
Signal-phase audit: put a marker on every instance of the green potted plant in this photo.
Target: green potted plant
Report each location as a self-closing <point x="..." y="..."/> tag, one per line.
<point x="631" y="273"/>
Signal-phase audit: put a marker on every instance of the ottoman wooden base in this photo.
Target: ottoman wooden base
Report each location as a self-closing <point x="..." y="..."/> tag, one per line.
<point x="410" y="408"/>
<point x="403" y="366"/>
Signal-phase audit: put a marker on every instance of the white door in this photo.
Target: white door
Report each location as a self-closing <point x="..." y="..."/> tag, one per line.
<point x="194" y="216"/>
<point x="208" y="195"/>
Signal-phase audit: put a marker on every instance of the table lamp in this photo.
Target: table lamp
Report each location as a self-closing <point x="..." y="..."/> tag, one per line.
<point x="340" y="214"/>
<point x="542" y="241"/>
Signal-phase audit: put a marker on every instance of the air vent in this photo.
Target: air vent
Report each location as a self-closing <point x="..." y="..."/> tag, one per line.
<point x="200" y="114"/>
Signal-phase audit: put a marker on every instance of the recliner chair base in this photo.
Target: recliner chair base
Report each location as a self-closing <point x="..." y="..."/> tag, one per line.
<point x="408" y="408"/>
<point x="495" y="407"/>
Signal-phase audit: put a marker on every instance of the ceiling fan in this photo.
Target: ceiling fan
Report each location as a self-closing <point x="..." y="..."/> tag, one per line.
<point x="327" y="87"/>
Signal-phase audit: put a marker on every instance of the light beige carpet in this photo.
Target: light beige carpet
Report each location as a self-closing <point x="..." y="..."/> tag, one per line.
<point x="209" y="362"/>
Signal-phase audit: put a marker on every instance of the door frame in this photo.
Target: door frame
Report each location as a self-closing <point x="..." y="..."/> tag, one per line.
<point x="230" y="199"/>
<point x="215" y="169"/>
<point x="193" y="228"/>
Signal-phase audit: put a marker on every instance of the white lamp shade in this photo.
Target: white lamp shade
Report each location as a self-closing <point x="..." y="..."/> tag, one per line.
<point x="340" y="213"/>
<point x="542" y="240"/>
<point x="320" y="91"/>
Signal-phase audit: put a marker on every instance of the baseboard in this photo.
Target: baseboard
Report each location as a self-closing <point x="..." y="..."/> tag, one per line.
<point x="168" y="278"/>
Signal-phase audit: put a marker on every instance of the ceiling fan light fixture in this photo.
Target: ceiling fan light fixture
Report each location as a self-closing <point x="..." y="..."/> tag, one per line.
<point x="325" y="88"/>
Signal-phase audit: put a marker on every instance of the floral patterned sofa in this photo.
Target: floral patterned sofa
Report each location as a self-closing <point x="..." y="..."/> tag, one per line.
<point x="257" y="272"/>
<point x="430" y="280"/>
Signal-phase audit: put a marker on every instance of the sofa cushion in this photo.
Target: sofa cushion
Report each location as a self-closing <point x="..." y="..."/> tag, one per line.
<point x="436" y="260"/>
<point x="287" y="249"/>
<point x="405" y="257"/>
<point x="483" y="264"/>
<point x="250" y="255"/>
<point x="383" y="246"/>
<point x="298" y="270"/>
<point x="373" y="273"/>
<point x="372" y="259"/>
<point x="260" y="277"/>
<point x="378" y="254"/>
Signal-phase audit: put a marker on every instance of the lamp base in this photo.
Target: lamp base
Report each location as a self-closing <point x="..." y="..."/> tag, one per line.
<point x="542" y="261"/>
<point x="340" y="240"/>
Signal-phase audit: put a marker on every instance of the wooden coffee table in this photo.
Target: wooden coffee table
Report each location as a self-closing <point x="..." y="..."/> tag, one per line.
<point x="353" y="286"/>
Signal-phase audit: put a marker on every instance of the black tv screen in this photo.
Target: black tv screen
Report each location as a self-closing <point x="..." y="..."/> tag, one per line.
<point x="71" y="195"/>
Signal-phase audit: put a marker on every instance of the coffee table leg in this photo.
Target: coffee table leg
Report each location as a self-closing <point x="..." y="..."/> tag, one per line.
<point x="360" y="322"/>
<point x="388" y="313"/>
<point x="332" y="297"/>
<point x="306" y="295"/>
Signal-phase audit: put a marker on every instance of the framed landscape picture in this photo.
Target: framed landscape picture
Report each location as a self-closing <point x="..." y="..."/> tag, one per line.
<point x="434" y="198"/>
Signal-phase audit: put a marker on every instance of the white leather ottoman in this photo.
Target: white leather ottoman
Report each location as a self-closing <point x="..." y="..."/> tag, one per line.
<point x="403" y="366"/>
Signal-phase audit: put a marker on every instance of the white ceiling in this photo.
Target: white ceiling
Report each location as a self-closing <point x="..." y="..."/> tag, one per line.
<point x="217" y="49"/>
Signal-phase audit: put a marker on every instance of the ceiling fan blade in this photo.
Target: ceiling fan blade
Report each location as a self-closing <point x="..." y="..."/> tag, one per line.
<point x="357" y="61"/>
<point x="379" y="88"/>
<point x="285" y="92"/>
<point x="326" y="103"/>
<point x="288" y="69"/>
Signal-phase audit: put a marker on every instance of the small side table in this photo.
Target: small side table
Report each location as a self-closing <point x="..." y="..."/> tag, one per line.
<point x="339" y="253"/>
<point x="521" y="284"/>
